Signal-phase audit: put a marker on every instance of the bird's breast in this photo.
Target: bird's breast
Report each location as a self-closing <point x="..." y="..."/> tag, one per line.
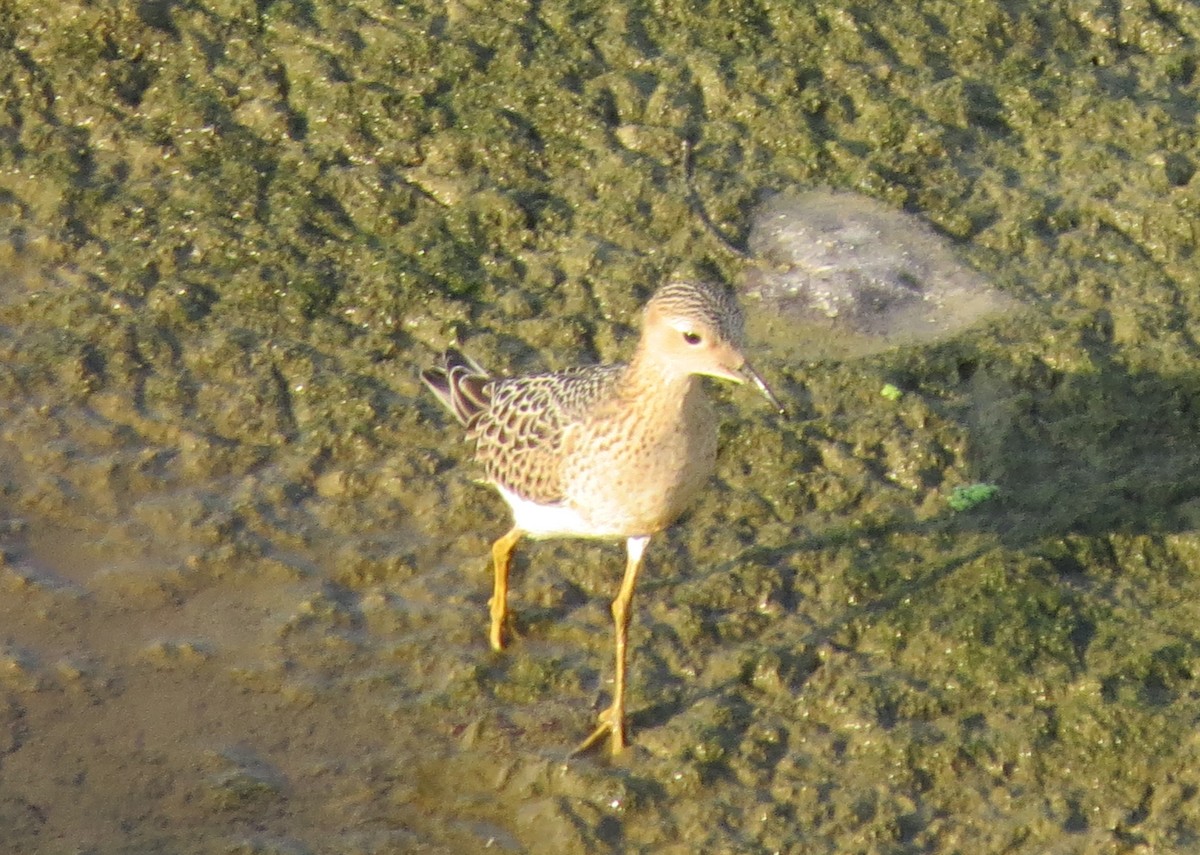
<point x="633" y="470"/>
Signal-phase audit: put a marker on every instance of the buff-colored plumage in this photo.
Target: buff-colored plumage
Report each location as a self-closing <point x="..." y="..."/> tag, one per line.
<point x="608" y="450"/>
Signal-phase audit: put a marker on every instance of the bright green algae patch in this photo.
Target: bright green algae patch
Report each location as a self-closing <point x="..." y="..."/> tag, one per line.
<point x="244" y="568"/>
<point x="967" y="496"/>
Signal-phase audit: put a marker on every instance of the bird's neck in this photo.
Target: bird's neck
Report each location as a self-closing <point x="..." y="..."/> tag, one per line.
<point x="648" y="377"/>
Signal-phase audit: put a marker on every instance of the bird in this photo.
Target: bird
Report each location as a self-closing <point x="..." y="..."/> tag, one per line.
<point x="611" y="451"/>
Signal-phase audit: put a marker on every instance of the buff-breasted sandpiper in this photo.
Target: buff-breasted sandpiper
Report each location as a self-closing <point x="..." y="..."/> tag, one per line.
<point x="604" y="451"/>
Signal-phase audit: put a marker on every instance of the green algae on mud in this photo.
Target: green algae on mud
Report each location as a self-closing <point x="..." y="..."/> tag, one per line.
<point x="241" y="567"/>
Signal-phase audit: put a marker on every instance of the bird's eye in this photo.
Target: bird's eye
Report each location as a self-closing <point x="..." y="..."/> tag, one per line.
<point x="692" y="338"/>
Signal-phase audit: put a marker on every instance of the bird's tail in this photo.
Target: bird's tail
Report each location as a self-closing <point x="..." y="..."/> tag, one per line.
<point x="460" y="384"/>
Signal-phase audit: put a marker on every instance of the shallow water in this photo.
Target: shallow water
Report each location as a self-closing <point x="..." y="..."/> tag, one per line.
<point x="244" y="577"/>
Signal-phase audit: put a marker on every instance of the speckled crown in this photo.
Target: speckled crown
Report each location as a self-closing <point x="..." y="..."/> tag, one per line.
<point x="708" y="302"/>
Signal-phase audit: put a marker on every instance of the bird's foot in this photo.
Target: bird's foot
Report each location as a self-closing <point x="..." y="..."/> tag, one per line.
<point x="610" y="722"/>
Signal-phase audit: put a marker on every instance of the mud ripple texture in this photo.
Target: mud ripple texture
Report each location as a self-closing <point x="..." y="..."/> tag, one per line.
<point x="242" y="563"/>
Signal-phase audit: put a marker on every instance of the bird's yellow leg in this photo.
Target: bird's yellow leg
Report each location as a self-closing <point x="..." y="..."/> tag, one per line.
<point x="612" y="720"/>
<point x="501" y="557"/>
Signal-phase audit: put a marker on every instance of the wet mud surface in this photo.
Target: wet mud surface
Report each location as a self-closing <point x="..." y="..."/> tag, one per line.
<point x="243" y="565"/>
